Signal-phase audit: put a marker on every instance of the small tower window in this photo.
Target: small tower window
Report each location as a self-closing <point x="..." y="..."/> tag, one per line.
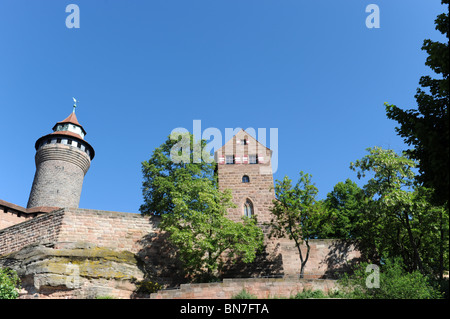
<point x="248" y="208"/>
<point x="244" y="142"/>
<point x="245" y="179"/>
<point x="253" y="159"/>
<point x="69" y="142"/>
<point x="229" y="159"/>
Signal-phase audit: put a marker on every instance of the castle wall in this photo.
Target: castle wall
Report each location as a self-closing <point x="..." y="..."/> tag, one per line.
<point x="10" y="217"/>
<point x="328" y="258"/>
<point x="44" y="228"/>
<point x="122" y="231"/>
<point x="11" y="214"/>
<point x="45" y="248"/>
<point x="79" y="253"/>
<point x="262" y="288"/>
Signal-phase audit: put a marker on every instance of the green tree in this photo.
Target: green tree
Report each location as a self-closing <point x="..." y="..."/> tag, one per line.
<point x="397" y="219"/>
<point x="426" y="128"/>
<point x="296" y="214"/>
<point x="162" y="175"/>
<point x="394" y="282"/>
<point x="9" y="284"/>
<point x="343" y="208"/>
<point x="194" y="212"/>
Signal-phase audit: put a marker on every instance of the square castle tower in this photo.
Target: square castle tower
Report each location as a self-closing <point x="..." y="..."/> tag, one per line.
<point x="244" y="167"/>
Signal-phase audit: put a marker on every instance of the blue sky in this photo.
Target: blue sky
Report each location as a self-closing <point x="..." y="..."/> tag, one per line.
<point x="311" y="69"/>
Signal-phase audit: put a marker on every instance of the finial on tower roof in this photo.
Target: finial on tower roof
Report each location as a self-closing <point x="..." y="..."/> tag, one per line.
<point x="74" y="104"/>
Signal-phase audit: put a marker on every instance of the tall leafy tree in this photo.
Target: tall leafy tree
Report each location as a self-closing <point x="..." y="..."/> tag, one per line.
<point x="203" y="233"/>
<point x="171" y="164"/>
<point x="183" y="190"/>
<point x="396" y="216"/>
<point x="426" y="128"/>
<point x="343" y="205"/>
<point x="296" y="214"/>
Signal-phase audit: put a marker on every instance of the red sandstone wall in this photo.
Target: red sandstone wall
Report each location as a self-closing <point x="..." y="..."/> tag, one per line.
<point x="259" y="190"/>
<point x="259" y="287"/>
<point x="122" y="231"/>
<point x="133" y="232"/>
<point x="9" y="218"/>
<point x="327" y="257"/>
<point x="44" y="228"/>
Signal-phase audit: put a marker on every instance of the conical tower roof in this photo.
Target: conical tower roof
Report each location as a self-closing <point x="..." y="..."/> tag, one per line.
<point x="71" y="119"/>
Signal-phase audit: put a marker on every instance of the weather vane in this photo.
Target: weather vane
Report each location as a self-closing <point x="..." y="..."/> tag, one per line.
<point x="74" y="104"/>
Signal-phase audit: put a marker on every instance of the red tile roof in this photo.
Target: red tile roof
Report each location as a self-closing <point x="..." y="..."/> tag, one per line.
<point x="41" y="209"/>
<point x="72" y="118"/>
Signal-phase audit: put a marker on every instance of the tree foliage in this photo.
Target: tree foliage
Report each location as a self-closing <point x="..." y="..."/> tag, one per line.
<point x="342" y="206"/>
<point x="426" y="128"/>
<point x="296" y="214"/>
<point x="194" y="212"/>
<point x="396" y="217"/>
<point x="162" y="175"/>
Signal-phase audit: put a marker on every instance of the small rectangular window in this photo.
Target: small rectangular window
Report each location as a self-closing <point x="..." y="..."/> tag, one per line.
<point x="79" y="145"/>
<point x="69" y="142"/>
<point x="253" y="159"/>
<point x="244" y="142"/>
<point x="229" y="159"/>
<point x="58" y="140"/>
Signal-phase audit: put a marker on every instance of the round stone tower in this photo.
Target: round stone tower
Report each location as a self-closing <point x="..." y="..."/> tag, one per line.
<point x="62" y="160"/>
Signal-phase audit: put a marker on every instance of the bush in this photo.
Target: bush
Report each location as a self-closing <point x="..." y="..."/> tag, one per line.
<point x="243" y="294"/>
<point x="308" y="293"/>
<point x="148" y="287"/>
<point x="317" y="294"/>
<point x="394" y="283"/>
<point x="9" y="284"/>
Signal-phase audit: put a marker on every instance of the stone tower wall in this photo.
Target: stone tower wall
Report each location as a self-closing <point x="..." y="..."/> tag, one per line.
<point x="259" y="189"/>
<point x="58" y="180"/>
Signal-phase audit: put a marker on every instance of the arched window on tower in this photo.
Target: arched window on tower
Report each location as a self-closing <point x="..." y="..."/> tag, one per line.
<point x="248" y="208"/>
<point x="245" y="179"/>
